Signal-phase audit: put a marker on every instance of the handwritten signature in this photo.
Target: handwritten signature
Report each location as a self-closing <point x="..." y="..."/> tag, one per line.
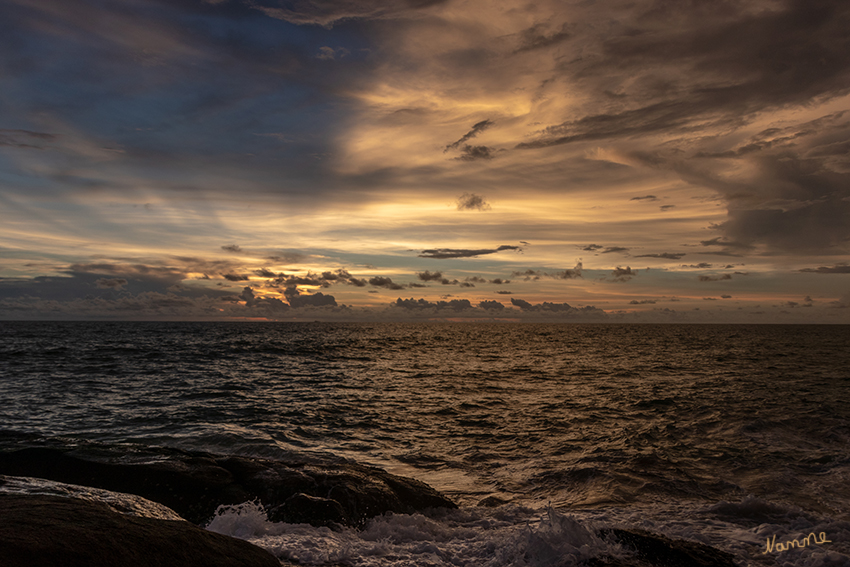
<point x="772" y="546"/>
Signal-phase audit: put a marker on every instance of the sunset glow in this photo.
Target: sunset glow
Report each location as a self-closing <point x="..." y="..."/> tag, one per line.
<point x="646" y="161"/>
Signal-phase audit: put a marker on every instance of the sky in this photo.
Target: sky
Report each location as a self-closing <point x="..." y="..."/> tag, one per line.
<point x="372" y="160"/>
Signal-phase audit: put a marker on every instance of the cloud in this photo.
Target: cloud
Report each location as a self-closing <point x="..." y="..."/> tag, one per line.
<point x="642" y="302"/>
<point x="235" y="277"/>
<point x="297" y="300"/>
<point x="611" y="249"/>
<point x="714" y="278"/>
<point x="644" y="198"/>
<point x="25" y="139"/>
<point x="166" y="275"/>
<point x="562" y="275"/>
<point x="473" y="153"/>
<point x="491" y="305"/>
<point x="472" y="202"/>
<point x="232" y="248"/>
<point x="837" y="269"/>
<point x="330" y="54"/>
<point x="536" y="37"/>
<point x="287" y="258"/>
<point x="111" y="283"/>
<point x="422" y="304"/>
<point x="445" y="253"/>
<point x="272" y="304"/>
<point x="329" y="12"/>
<point x="663" y="255"/>
<point x="476" y="129"/>
<point x="593" y="247"/>
<point x="386" y="283"/>
<point x="623" y="274"/>
<point x="556" y="308"/>
<point x="427" y="276"/>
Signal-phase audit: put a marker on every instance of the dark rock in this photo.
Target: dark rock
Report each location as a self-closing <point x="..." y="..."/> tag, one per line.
<point x="653" y="550"/>
<point x="46" y="531"/>
<point x="305" y="509"/>
<point x="492" y="502"/>
<point x="195" y="484"/>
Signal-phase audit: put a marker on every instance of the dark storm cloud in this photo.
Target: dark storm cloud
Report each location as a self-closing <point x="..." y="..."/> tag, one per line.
<point x="663" y="255"/>
<point x="445" y="253"/>
<point x="472" y="202"/>
<point x="691" y="72"/>
<point x="797" y="196"/>
<point x="837" y="269"/>
<point x="476" y="129"/>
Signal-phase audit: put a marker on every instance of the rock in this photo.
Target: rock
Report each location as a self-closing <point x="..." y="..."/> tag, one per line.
<point x="653" y="550"/>
<point x="37" y="530"/>
<point x="492" y="502"/>
<point x="195" y="484"/>
<point x="305" y="509"/>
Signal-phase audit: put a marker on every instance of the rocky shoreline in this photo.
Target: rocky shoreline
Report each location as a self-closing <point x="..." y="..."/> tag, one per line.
<point x="46" y="529"/>
<point x="194" y="484"/>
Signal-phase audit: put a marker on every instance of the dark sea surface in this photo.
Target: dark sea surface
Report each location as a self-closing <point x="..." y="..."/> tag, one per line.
<point x="721" y="434"/>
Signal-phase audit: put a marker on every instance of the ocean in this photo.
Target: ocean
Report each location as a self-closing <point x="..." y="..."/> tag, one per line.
<point x="727" y="435"/>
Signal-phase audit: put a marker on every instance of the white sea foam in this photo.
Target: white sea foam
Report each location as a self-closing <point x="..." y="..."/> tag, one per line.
<point x="519" y="536"/>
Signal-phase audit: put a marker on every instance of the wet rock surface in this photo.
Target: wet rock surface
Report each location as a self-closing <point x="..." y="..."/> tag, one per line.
<point x="195" y="484"/>
<point x="46" y="531"/>
<point x="653" y="550"/>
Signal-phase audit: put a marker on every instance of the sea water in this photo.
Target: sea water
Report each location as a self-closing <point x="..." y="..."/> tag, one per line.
<point x="729" y="435"/>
